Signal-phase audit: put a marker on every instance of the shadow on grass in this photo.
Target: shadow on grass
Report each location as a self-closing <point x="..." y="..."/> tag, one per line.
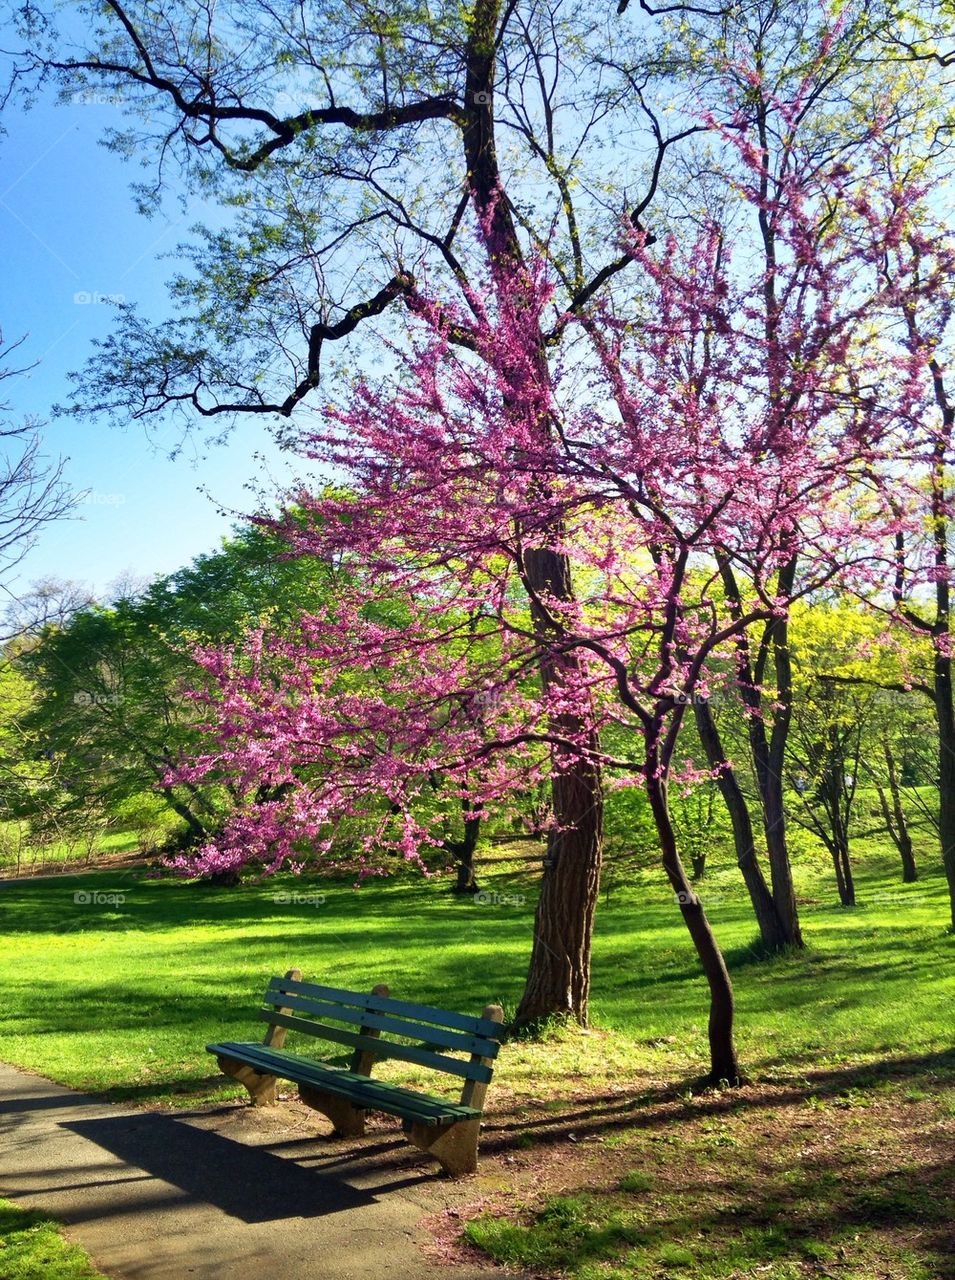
<point x="608" y="1113"/>
<point x="819" y="1214"/>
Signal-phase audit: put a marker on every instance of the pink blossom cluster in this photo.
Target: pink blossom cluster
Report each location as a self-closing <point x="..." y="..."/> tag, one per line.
<point x="743" y="411"/>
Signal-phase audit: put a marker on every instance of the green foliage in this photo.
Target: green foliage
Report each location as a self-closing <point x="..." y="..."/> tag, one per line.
<point x="101" y="707"/>
<point x="630" y="836"/>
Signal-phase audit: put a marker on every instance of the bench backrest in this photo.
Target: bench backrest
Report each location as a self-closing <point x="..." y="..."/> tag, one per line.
<point x="370" y="1018"/>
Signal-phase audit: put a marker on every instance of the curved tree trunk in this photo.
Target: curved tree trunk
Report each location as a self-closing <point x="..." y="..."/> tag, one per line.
<point x="771" y="930"/>
<point x="196" y="828"/>
<point x="893" y="814"/>
<point x="768" y="752"/>
<point x="946" y="769"/>
<point x="724" y="1065"/>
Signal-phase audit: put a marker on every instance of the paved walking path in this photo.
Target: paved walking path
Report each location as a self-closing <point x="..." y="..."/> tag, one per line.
<point x="234" y="1193"/>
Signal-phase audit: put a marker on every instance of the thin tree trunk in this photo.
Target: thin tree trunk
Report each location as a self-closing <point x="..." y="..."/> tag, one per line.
<point x="843" y="868"/>
<point x="946" y="770"/>
<point x="768" y="753"/>
<point x="894" y="817"/>
<point x="784" y="892"/>
<point x="724" y="1064"/>
<point x="940" y="628"/>
<point x="771" y="929"/>
<point x="847" y="877"/>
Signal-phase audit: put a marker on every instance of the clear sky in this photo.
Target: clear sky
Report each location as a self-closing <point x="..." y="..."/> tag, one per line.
<point x="69" y="231"/>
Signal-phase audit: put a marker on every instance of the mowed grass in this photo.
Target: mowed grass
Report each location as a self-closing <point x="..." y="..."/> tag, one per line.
<point x="31" y="1248"/>
<point x="122" y="996"/>
<point x="602" y="1160"/>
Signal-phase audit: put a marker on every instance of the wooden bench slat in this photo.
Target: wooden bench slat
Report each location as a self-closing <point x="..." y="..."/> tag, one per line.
<point x="374" y="1095"/>
<point x="385" y="1004"/>
<point x="364" y="1088"/>
<point x="381" y="1048"/>
<point x="428" y="1032"/>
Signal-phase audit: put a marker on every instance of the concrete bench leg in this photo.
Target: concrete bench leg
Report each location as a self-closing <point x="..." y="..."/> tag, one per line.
<point x="349" y="1121"/>
<point x="261" y="1087"/>
<point x="454" y="1146"/>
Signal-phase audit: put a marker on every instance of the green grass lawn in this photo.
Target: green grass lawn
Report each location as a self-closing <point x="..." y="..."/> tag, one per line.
<point x="31" y="1248"/>
<point x="120" y="991"/>
<point x="123" y="996"/>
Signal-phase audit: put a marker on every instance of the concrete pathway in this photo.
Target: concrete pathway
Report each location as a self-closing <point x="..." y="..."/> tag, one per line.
<point x="234" y="1193"/>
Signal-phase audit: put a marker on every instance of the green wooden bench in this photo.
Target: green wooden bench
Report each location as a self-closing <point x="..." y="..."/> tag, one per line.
<point x="343" y="1093"/>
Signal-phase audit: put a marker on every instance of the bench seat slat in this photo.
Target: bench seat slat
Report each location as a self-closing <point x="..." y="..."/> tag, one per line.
<point x="438" y="1036"/>
<point x="385" y="1004"/>
<point x="374" y="1095"/>
<point x="381" y="1048"/>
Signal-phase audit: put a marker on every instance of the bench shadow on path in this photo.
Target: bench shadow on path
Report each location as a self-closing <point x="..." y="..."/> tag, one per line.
<point x="246" y="1182"/>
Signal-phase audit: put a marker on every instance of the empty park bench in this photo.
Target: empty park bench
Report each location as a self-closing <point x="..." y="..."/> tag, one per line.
<point x="448" y="1130"/>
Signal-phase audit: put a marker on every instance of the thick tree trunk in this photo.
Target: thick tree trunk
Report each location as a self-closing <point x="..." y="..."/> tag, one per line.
<point x="723" y="1061"/>
<point x="463" y="851"/>
<point x="196" y="829"/>
<point x="558" y="981"/>
<point x="771" y="929"/>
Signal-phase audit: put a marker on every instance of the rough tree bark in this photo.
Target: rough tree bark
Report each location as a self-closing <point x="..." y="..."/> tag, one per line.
<point x="558" y="980"/>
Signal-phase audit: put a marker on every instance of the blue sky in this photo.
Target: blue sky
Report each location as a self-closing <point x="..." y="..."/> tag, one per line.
<point x="68" y="231"/>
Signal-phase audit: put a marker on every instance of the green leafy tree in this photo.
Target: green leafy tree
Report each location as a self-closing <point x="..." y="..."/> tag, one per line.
<point x="111" y="710"/>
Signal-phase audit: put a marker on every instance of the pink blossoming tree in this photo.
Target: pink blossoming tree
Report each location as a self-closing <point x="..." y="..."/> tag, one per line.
<point x="645" y="462"/>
